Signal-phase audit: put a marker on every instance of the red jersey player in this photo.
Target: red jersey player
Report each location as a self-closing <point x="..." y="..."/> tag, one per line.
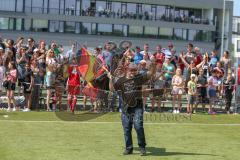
<point x="73" y="85"/>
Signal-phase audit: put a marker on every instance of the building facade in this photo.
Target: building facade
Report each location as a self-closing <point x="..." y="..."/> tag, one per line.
<point x="236" y="34"/>
<point x="94" y="21"/>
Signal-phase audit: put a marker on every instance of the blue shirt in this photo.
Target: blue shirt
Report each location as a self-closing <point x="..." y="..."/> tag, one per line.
<point x="213" y="61"/>
<point x="137" y="58"/>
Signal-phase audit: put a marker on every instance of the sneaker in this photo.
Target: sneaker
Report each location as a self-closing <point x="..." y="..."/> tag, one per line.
<point x="128" y="151"/>
<point x="8" y="109"/>
<point x="177" y="111"/>
<point x="14" y="109"/>
<point x="26" y="110"/>
<point x="174" y="111"/>
<point x="143" y="152"/>
<point x="194" y="112"/>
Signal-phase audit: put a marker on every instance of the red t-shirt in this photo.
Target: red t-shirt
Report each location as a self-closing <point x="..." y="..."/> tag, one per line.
<point x="74" y="76"/>
<point x="160" y="57"/>
<point x="198" y="59"/>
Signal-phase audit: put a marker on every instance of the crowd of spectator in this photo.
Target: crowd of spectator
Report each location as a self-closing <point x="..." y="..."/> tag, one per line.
<point x="31" y="66"/>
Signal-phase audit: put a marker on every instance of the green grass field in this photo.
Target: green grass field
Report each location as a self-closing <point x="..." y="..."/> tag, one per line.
<point x="89" y="136"/>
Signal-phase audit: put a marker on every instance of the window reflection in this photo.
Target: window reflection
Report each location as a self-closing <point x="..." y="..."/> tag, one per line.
<point x="40" y="25"/>
<point x="104" y="29"/>
<point x="4" y="23"/>
<point x="135" y="31"/>
<point x="53" y="6"/>
<point x="70" y="27"/>
<point x="166" y="33"/>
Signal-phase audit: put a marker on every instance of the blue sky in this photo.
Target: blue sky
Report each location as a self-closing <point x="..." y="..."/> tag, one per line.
<point x="236" y="8"/>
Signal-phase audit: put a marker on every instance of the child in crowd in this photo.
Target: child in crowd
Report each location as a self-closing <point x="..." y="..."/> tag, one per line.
<point x="192" y="90"/>
<point x="201" y="89"/>
<point x="178" y="90"/>
<point x="228" y="86"/>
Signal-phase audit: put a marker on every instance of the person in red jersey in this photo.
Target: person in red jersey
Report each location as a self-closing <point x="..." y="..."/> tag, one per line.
<point x="73" y="85"/>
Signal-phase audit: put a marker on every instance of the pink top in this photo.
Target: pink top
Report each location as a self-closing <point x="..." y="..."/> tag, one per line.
<point x="12" y="76"/>
<point x="177" y="80"/>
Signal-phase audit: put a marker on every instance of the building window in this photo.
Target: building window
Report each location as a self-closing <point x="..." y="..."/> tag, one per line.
<point x="238" y="28"/>
<point x="37" y="6"/>
<point x="19" y="5"/>
<point x="166" y="33"/>
<point x="135" y="31"/>
<point x="27" y="24"/>
<point x="7" y="5"/>
<point x="18" y="24"/>
<point x="238" y="46"/>
<point x="178" y="34"/>
<point x="28" y="6"/>
<point x="53" y="26"/>
<point x="61" y="26"/>
<point x="160" y="12"/>
<point x="131" y="8"/>
<point x="118" y="30"/>
<point x="11" y="24"/>
<point x="88" y="28"/>
<point x="85" y="7"/>
<point x="192" y="35"/>
<point x="54" y="6"/>
<point x="4" y="23"/>
<point x="151" y="32"/>
<point x="207" y="36"/>
<point x="40" y="25"/>
<point x="70" y="7"/>
<point x="78" y="27"/>
<point x="116" y="7"/>
<point x="70" y="27"/>
<point x="105" y="29"/>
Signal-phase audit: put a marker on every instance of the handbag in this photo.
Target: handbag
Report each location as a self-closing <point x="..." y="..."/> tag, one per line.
<point x="6" y="83"/>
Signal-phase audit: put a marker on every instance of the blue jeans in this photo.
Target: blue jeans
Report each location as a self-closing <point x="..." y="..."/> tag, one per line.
<point x="134" y="116"/>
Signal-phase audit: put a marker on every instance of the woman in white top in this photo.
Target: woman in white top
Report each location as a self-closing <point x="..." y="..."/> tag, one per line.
<point x="50" y="75"/>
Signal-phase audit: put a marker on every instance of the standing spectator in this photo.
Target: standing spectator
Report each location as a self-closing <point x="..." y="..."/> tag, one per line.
<point x="198" y="56"/>
<point x="227" y="63"/>
<point x="205" y="65"/>
<point x="50" y="75"/>
<point x="2" y="75"/>
<point x="178" y="90"/>
<point x="143" y="69"/>
<point x="212" y="89"/>
<point x="21" y="59"/>
<point x="10" y="46"/>
<point x="192" y="90"/>
<point x="10" y="84"/>
<point x="31" y="47"/>
<point x="138" y="56"/>
<point x="201" y="89"/>
<point x="59" y="86"/>
<point x="157" y="87"/>
<point x="146" y="54"/>
<point x="71" y="53"/>
<point x="169" y="70"/>
<point x="19" y="43"/>
<point x="159" y="55"/>
<point x="37" y="82"/>
<point x="28" y="85"/>
<point x="41" y="55"/>
<point x="228" y="89"/>
<point x="213" y="59"/>
<point x="190" y="55"/>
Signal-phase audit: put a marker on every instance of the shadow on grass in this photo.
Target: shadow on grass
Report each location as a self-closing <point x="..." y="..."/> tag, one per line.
<point x="82" y="116"/>
<point x="153" y="151"/>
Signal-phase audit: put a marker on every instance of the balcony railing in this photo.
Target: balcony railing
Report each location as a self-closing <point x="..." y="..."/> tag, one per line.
<point x="126" y="15"/>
